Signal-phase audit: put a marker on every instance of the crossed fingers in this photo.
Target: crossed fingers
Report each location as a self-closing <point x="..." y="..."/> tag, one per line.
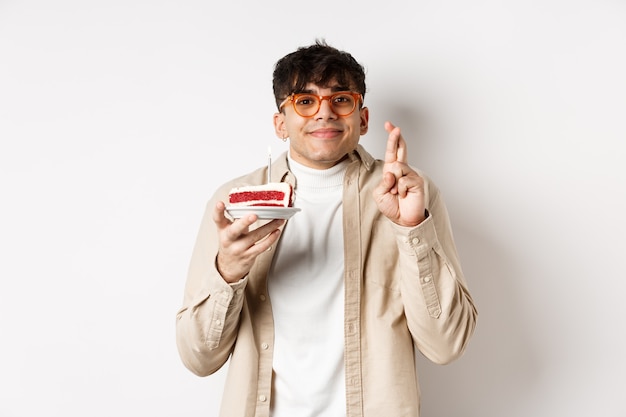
<point x="396" y="145"/>
<point x="396" y="157"/>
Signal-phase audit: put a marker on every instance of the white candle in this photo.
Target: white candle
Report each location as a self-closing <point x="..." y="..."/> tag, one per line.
<point x="269" y="163"/>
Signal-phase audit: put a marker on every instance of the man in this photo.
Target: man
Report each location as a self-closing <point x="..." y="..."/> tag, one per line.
<point x="321" y="315"/>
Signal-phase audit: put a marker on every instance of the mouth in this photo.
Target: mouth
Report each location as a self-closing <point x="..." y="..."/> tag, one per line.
<point x="326" y="133"/>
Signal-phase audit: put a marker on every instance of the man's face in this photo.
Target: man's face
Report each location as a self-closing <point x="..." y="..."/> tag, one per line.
<point x="323" y="140"/>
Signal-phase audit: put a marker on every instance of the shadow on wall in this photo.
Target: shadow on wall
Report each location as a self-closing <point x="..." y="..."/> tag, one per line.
<point x="497" y="372"/>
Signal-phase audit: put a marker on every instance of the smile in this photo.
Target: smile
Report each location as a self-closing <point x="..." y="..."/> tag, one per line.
<point x="325" y="133"/>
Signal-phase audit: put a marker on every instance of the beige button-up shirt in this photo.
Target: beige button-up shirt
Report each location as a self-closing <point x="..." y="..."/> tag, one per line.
<point x="404" y="289"/>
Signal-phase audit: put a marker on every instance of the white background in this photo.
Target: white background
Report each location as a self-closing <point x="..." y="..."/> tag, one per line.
<point x="119" y="118"/>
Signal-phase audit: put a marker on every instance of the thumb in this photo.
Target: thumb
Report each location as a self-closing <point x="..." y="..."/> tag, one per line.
<point x="386" y="185"/>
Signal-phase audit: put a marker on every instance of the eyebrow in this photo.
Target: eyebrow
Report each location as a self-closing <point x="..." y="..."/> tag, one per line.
<point x="334" y="89"/>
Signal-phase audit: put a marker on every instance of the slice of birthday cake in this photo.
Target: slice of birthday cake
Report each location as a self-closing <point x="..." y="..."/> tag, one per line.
<point x="275" y="194"/>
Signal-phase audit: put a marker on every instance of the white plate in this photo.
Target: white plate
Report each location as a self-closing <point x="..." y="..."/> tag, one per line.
<point x="263" y="212"/>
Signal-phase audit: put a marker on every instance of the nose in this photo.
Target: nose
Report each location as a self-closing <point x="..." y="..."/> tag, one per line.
<point x="325" y="111"/>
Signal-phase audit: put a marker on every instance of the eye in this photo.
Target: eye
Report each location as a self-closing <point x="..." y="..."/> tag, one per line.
<point x="343" y="99"/>
<point x="305" y="100"/>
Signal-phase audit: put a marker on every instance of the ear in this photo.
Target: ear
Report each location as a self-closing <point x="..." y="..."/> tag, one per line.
<point x="365" y="117"/>
<point x="280" y="127"/>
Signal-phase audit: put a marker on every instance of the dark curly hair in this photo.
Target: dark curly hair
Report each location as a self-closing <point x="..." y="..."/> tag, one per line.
<point x="318" y="64"/>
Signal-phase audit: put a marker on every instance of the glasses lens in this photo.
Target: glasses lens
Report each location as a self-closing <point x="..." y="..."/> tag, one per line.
<point x="306" y="105"/>
<point x="342" y="103"/>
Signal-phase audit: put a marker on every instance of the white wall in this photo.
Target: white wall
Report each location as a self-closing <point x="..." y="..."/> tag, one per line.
<point x="118" y="119"/>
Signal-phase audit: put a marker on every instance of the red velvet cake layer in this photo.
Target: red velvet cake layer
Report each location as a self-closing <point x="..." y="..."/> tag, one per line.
<point x="257" y="195"/>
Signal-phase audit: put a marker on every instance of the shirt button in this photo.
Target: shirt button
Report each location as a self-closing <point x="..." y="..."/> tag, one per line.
<point x="415" y="240"/>
<point x="239" y="291"/>
<point x="262" y="297"/>
<point x="265" y="346"/>
<point x="262" y="398"/>
<point x="427" y="279"/>
<point x="218" y="322"/>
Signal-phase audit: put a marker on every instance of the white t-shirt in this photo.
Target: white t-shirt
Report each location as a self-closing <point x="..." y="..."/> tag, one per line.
<point x="306" y="288"/>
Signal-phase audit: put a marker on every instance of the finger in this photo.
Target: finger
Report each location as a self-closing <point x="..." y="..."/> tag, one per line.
<point x="401" y="154"/>
<point x="387" y="185"/>
<point x="218" y="215"/>
<point x="396" y="145"/>
<point x="400" y="143"/>
<point x="411" y="182"/>
<point x="265" y="243"/>
<point x="403" y="187"/>
<point x="261" y="233"/>
<point x="391" y="152"/>
<point x="246" y="243"/>
<point x="241" y="226"/>
<point x="222" y="221"/>
<point x="397" y="169"/>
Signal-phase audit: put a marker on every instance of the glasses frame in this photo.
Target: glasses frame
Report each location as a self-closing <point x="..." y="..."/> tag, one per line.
<point x="294" y="96"/>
